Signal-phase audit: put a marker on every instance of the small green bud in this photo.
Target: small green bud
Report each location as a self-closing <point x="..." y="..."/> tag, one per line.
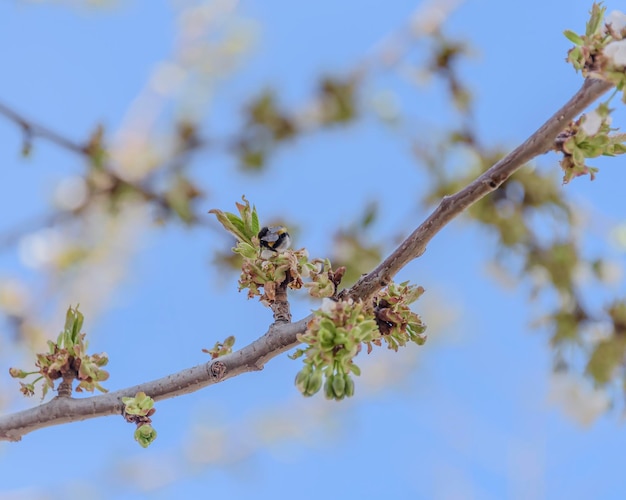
<point x="341" y="338"/>
<point x="355" y="369"/>
<point x="27" y="146"/>
<point x="349" y="390"/>
<point x="314" y="383"/>
<point x="302" y="378"/>
<point x="339" y="386"/>
<point x="328" y="388"/>
<point x="298" y="353"/>
<point x="327" y="338"/>
<point x="303" y="374"/>
<point x="145" y="435"/>
<point x="17" y="373"/>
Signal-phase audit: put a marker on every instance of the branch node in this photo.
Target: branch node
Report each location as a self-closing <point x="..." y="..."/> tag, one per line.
<point x="384" y="280"/>
<point x="217" y="370"/>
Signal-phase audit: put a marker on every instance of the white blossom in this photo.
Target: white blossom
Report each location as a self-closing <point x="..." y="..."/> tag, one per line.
<point x="41" y="248"/>
<point x="617" y="20"/>
<point x="328" y="305"/>
<point x="577" y="398"/>
<point x="71" y="193"/>
<point x="592" y="123"/>
<point x="616" y="51"/>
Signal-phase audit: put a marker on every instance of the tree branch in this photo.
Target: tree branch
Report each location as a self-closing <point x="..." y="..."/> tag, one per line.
<point x="61" y="410"/>
<point x="283" y="336"/>
<point x="537" y="144"/>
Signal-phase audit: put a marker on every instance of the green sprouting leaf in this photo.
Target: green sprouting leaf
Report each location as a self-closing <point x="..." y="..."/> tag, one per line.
<point x="145" y="435"/>
<point x="245" y="250"/>
<point x="140" y="404"/>
<point x="237" y="225"/>
<point x="597" y="16"/>
<point x="244" y="226"/>
<point x="573" y="37"/>
<point x="255" y="221"/>
<point x="73" y="324"/>
<point x="230" y="222"/>
<point x="355" y="369"/>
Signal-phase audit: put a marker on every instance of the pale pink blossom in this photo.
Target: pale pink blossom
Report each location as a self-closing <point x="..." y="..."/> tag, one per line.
<point x="592" y="123"/>
<point x="617" y="20"/>
<point x="328" y="305"/>
<point x="616" y="52"/>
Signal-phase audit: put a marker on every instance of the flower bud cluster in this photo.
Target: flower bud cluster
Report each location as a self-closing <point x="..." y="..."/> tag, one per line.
<point x="324" y="281"/>
<point x="67" y="360"/>
<point x="268" y="274"/>
<point x="601" y="52"/>
<point x="262" y="276"/>
<point x="138" y="410"/>
<point x="588" y="137"/>
<point x="339" y="329"/>
<point x="334" y="337"/>
<point x="397" y="324"/>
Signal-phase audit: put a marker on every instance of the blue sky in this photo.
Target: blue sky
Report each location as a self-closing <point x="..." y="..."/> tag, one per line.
<point x="466" y="416"/>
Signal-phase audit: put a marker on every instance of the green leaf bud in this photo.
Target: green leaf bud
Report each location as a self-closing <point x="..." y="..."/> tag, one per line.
<point x="349" y="389"/>
<point x="339" y="385"/>
<point x="145" y="435"/>
<point x="328" y="388"/>
<point x="314" y="383"/>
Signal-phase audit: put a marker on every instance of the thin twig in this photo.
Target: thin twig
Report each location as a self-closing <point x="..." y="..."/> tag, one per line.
<point x="32" y="129"/>
<point x="283" y="336"/>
